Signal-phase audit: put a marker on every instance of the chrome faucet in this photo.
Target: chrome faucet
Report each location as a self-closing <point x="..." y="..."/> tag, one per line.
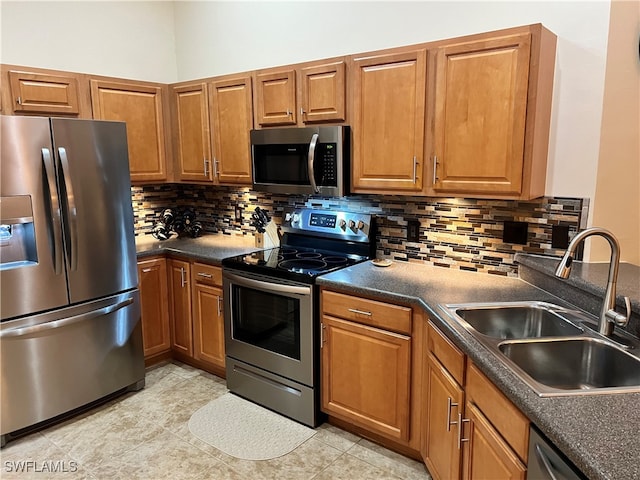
<point x="608" y="315"/>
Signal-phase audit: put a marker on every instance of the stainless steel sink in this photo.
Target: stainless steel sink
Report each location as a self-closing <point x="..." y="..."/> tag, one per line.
<point x="518" y="321"/>
<point x="551" y="348"/>
<point x="577" y="364"/>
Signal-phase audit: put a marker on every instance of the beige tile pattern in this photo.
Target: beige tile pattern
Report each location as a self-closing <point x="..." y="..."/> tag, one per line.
<point x="144" y="435"/>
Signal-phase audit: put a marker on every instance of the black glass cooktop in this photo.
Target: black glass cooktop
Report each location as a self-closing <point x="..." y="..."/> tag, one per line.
<point x="295" y="263"/>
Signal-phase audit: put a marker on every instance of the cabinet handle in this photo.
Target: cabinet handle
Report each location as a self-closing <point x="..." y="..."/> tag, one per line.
<point x="360" y="312"/>
<point x="322" y="332"/>
<point x="415" y="169"/>
<point x="206" y="167"/>
<point x="288" y="112"/>
<point x="183" y="277"/>
<point x="205" y="275"/>
<point x="302" y="112"/>
<point x="216" y="170"/>
<point x="146" y="270"/>
<point x="461" y="422"/>
<point x="219" y="306"/>
<point x="435" y="168"/>
<point x="450" y="403"/>
<point x="19" y="100"/>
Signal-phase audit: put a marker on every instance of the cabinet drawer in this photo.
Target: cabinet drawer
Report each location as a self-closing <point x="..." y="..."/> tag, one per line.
<point x="206" y="274"/>
<point x="446" y="352"/>
<point x="498" y="409"/>
<point x="370" y="312"/>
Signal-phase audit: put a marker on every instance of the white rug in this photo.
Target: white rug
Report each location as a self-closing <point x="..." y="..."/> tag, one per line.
<point x="245" y="430"/>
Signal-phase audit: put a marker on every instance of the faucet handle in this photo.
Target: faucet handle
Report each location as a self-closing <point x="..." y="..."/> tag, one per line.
<point x="620" y="319"/>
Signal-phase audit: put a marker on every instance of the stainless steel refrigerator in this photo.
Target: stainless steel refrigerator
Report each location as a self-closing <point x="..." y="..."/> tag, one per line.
<point x="70" y="332"/>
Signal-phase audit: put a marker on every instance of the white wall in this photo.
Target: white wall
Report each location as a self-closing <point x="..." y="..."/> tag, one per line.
<point x="223" y="37"/>
<point x="121" y="39"/>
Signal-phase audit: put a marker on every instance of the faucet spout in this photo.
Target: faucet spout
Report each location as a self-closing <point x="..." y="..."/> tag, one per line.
<point x="608" y="315"/>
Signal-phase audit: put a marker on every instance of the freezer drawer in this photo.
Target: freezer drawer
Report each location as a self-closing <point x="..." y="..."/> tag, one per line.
<point x="62" y="360"/>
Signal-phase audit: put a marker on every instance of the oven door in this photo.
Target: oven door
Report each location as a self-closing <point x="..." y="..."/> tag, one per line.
<point x="269" y="323"/>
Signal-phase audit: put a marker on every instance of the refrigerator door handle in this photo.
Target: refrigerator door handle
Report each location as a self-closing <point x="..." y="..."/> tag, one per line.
<point x="24" y="331"/>
<point x="54" y="207"/>
<point x="71" y="204"/>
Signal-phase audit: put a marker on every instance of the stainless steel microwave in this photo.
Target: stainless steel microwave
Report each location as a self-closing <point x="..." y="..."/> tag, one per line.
<point x="308" y="160"/>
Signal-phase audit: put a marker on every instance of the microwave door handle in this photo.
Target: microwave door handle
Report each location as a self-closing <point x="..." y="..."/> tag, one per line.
<point x="311" y="158"/>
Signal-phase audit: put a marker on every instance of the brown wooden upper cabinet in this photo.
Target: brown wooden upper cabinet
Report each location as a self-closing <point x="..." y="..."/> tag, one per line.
<point x="44" y="94"/>
<point x="192" y="143"/>
<point x="231" y="110"/>
<point x="38" y="91"/>
<point x="213" y="116"/>
<point x="387" y="121"/>
<point x="301" y="95"/>
<point x="141" y="106"/>
<point x="490" y="115"/>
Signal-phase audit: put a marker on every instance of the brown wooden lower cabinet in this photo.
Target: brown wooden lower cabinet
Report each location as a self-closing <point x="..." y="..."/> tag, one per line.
<point x="154" y="306"/>
<point x="365" y="376"/>
<point x="180" y="306"/>
<point x="486" y="454"/>
<point x="444" y="402"/>
<point x="208" y="315"/>
<point x="472" y="431"/>
<point x="370" y="368"/>
<point x="182" y="312"/>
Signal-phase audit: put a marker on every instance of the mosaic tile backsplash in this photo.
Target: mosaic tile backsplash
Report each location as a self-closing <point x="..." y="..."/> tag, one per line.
<point x="454" y="232"/>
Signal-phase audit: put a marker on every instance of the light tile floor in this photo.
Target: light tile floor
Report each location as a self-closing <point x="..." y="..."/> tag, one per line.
<point x="144" y="435"/>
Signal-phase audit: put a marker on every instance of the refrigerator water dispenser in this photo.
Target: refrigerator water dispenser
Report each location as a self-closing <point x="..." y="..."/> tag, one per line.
<point x="17" y="238"/>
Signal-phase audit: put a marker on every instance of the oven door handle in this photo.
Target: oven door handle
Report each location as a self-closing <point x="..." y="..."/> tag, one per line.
<point x="267" y="286"/>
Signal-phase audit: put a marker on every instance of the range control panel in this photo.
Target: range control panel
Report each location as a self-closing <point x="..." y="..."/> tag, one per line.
<point x="329" y="223"/>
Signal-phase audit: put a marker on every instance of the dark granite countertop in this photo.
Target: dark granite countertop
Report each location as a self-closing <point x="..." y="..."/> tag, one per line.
<point x="599" y="433"/>
<point x="211" y="248"/>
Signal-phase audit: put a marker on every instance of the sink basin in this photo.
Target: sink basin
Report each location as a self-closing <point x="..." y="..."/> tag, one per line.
<point x="518" y="321"/>
<point x="575" y="364"/>
<point x="551" y="348"/>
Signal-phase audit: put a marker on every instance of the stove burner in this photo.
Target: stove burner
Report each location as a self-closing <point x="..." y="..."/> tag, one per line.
<point x="302" y="265"/>
<point x="306" y="255"/>
<point x="334" y="261"/>
<point x="288" y="251"/>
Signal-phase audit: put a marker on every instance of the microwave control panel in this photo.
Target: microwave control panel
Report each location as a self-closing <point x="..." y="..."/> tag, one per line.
<point x="326" y="167"/>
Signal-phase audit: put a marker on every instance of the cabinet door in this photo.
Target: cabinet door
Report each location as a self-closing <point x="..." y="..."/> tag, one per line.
<point x="388" y="122"/>
<point x="152" y="275"/>
<point x="480" y="113"/>
<point x="208" y="324"/>
<point x="365" y="376"/>
<point x="445" y="401"/>
<point x="44" y="94"/>
<point x="232" y="119"/>
<point x="276" y="98"/>
<point x="486" y="455"/>
<point x="141" y="107"/>
<point x="180" y="305"/>
<point x="192" y="140"/>
<point x="323" y="93"/>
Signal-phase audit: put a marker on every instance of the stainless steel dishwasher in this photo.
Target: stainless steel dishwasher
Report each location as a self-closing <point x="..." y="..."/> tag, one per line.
<point x="546" y="462"/>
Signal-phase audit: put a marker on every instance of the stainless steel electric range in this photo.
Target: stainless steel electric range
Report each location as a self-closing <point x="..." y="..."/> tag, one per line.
<point x="271" y="312"/>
